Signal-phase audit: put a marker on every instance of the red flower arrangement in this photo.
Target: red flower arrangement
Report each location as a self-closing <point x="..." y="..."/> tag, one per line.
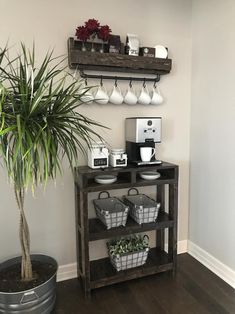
<point x="104" y="32"/>
<point x="82" y="33"/>
<point x="92" y="28"/>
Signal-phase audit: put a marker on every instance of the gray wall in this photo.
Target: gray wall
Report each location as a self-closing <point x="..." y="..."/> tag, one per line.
<point x="49" y="24"/>
<point x="212" y="184"/>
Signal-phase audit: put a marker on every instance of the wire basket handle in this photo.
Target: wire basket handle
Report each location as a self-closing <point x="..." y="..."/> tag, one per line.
<point x="133" y="189"/>
<point x="146" y="237"/>
<point x="104" y="192"/>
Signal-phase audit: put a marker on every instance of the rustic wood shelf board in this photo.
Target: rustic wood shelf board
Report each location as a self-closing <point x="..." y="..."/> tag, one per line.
<point x="85" y="170"/>
<point x="103" y="273"/>
<point x="99" y="231"/>
<point x="127" y="177"/>
<point x="115" y="62"/>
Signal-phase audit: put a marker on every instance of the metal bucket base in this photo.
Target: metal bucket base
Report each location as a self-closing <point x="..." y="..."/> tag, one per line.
<point x="38" y="300"/>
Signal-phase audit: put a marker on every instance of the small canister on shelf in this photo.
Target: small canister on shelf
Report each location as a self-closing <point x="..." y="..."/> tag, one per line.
<point x="118" y="158"/>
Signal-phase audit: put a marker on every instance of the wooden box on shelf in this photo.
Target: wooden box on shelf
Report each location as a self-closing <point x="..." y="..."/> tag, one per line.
<point x="97" y="45"/>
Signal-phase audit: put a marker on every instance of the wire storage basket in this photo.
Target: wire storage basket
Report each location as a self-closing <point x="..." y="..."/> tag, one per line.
<point x="110" y="210"/>
<point x="143" y="209"/>
<point x="123" y="261"/>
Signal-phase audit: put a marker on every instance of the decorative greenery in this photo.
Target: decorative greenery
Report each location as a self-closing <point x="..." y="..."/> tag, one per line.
<point x="131" y="244"/>
<point x="39" y="125"/>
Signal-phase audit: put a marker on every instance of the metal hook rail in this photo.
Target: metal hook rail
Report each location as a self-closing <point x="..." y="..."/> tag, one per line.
<point x="120" y="78"/>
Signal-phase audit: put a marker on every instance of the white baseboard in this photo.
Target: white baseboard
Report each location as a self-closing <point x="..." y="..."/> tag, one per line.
<point x="69" y="271"/>
<point x="216" y="266"/>
<point x="182" y="246"/>
<point x="66" y="272"/>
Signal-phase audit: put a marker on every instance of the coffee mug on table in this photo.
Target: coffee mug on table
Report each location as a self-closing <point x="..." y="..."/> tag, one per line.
<point x="144" y="98"/>
<point x="116" y="97"/>
<point x="156" y="98"/>
<point x="101" y="96"/>
<point x="146" y="153"/>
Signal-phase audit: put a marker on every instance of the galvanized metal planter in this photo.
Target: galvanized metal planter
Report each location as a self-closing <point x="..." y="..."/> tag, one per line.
<point x="38" y="300"/>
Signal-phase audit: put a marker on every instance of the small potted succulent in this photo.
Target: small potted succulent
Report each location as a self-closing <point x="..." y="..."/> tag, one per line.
<point x="90" y="30"/>
<point x="128" y="252"/>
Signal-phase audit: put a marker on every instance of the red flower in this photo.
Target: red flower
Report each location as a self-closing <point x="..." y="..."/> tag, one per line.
<point x="82" y="33"/>
<point x="104" y="32"/>
<point x="92" y="26"/>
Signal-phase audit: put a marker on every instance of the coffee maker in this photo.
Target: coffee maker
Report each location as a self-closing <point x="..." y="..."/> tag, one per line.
<point x="142" y="132"/>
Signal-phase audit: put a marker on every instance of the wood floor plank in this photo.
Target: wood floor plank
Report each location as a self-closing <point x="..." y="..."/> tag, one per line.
<point x="215" y="287"/>
<point x="194" y="290"/>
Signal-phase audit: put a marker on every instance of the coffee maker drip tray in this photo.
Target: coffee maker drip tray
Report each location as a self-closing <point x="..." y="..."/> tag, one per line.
<point x="146" y="163"/>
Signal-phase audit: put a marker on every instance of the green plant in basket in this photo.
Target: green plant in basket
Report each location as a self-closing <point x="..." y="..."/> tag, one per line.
<point x="131" y="244"/>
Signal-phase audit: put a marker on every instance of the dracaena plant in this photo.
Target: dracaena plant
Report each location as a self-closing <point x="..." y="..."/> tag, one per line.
<point x="39" y="125"/>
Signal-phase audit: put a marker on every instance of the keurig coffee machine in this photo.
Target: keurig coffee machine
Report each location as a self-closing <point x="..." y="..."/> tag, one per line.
<point x="141" y="136"/>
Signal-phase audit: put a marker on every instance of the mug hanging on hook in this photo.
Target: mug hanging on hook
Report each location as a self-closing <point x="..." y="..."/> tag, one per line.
<point x="86" y="95"/>
<point x="101" y="97"/>
<point x="144" y="98"/>
<point x="130" y="97"/>
<point x="116" y="97"/>
<point x="156" y="97"/>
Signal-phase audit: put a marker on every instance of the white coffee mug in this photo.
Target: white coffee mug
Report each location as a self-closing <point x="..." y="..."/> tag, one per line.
<point x="86" y="96"/>
<point x="101" y="96"/>
<point x="130" y="97"/>
<point x="144" y="98"/>
<point x="156" y="97"/>
<point x="146" y="153"/>
<point x="116" y="97"/>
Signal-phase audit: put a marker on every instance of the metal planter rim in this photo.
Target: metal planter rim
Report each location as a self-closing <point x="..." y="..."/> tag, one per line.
<point x="33" y="256"/>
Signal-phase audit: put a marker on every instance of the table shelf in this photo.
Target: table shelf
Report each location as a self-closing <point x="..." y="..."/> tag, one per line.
<point x="99" y="273"/>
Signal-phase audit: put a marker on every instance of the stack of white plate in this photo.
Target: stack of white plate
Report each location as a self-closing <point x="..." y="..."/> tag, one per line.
<point x="105" y="179"/>
<point x="150" y="175"/>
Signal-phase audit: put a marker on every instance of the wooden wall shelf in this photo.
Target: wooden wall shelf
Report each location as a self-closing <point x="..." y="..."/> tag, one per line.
<point x="115" y="62"/>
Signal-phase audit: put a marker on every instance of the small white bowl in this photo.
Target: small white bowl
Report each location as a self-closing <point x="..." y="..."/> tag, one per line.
<point x="150" y="175"/>
<point x="105" y="179"/>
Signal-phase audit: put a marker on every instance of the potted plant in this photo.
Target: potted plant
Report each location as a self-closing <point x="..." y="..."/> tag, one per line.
<point x="128" y="252"/>
<point x="39" y="125"/>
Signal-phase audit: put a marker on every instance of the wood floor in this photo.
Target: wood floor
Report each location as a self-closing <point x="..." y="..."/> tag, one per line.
<point x="195" y="290"/>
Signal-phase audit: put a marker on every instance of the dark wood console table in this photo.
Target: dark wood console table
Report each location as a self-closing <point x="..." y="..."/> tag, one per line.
<point x="99" y="273"/>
